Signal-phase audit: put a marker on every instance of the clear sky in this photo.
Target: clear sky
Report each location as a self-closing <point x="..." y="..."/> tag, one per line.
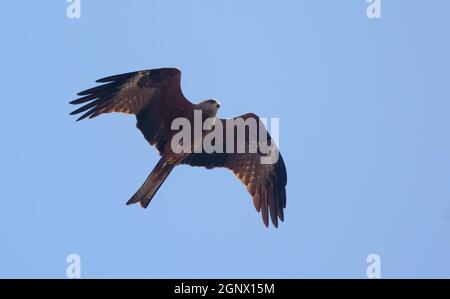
<point x="364" y="118"/>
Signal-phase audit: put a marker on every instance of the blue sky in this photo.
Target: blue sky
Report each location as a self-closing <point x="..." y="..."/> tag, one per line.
<point x="363" y="107"/>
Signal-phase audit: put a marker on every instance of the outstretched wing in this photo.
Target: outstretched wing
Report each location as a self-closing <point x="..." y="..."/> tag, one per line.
<point x="154" y="96"/>
<point x="265" y="182"/>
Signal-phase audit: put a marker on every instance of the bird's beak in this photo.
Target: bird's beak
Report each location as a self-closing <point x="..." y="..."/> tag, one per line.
<point x="218" y="105"/>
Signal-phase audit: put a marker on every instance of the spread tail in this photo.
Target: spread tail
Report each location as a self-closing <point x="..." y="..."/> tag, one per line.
<point x="151" y="185"/>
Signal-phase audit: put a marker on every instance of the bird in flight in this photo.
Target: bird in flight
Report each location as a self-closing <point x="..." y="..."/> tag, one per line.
<point x="155" y="98"/>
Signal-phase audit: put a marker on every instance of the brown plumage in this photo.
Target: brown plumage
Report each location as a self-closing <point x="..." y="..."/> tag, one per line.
<point x="155" y="98"/>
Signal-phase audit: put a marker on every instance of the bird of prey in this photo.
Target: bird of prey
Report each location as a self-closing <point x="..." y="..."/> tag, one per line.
<point x="155" y="98"/>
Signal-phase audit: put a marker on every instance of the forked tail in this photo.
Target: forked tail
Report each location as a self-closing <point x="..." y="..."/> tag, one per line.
<point x="151" y="185"/>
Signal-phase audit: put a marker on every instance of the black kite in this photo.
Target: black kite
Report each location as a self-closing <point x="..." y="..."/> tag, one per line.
<point x="155" y="98"/>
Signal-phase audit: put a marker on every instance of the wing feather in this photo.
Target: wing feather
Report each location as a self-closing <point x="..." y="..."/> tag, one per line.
<point x="264" y="206"/>
<point x="266" y="183"/>
<point x="154" y="96"/>
<point x="131" y="92"/>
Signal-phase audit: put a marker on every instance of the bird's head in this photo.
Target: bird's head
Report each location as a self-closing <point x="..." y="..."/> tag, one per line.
<point x="209" y="107"/>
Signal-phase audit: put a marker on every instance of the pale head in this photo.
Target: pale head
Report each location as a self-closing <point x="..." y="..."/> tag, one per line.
<point x="209" y="107"/>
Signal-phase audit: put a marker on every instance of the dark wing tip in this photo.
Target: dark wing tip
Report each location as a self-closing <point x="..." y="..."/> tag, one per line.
<point x="281" y="216"/>
<point x="95" y="99"/>
<point x="89" y="113"/>
<point x="273" y="199"/>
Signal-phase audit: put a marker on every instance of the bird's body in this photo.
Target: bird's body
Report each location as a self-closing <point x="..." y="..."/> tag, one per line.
<point x="155" y="97"/>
